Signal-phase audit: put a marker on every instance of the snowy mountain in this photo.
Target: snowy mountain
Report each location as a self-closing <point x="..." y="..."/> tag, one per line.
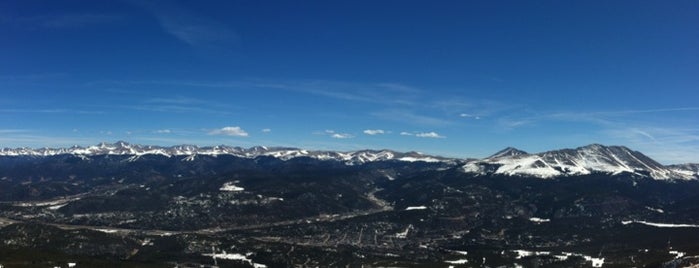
<point x="192" y="151"/>
<point x="584" y="160"/>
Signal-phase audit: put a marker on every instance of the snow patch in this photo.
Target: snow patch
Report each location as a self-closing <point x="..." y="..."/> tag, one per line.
<point x="596" y="262"/>
<point x="235" y="256"/>
<point x="460" y="252"/>
<point x="52" y="203"/>
<point x="655" y="209"/>
<point x="472" y="167"/>
<point x="109" y="231"/>
<point x="230" y="187"/>
<point x="525" y="253"/>
<point x="678" y="254"/>
<point x="526" y="165"/>
<point x="662" y="225"/>
<point x="460" y="261"/>
<point x="405" y="232"/>
<point x="190" y="158"/>
<point x="416" y="208"/>
<point x="56" y="207"/>
<point x="538" y="220"/>
<point x="422" y="159"/>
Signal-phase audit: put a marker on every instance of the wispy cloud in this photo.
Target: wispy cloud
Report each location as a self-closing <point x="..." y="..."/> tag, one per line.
<point x="31" y="77"/>
<point x="35" y="141"/>
<point x="38" y="139"/>
<point x="176" y="105"/>
<point x="187" y="26"/>
<point x="510" y="123"/>
<point x="469" y="116"/>
<point x="657" y="135"/>
<point x="669" y="145"/>
<point x="432" y="135"/>
<point x="173" y="109"/>
<point x="644" y="134"/>
<point x="471" y="108"/>
<point x="610" y="117"/>
<point x="61" y="21"/>
<point x="138" y="95"/>
<point x="334" y="134"/>
<point x="163" y="131"/>
<point x="266" y="130"/>
<point x="378" y="93"/>
<point x="229" y="131"/>
<point x="51" y="111"/>
<point x="645" y="111"/>
<point x="391" y="101"/>
<point x="374" y="131"/>
<point x="13" y="131"/>
<point x="176" y="100"/>
<point x="382" y="93"/>
<point x="341" y="136"/>
<point x="646" y="130"/>
<point x="409" y="117"/>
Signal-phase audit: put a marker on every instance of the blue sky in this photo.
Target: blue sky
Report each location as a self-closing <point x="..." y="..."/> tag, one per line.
<point x="454" y="78"/>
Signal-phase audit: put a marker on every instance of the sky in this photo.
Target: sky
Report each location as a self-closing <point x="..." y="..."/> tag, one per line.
<point x="451" y="78"/>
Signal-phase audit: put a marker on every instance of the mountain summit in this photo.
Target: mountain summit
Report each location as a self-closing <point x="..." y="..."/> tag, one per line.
<point x="509" y="151"/>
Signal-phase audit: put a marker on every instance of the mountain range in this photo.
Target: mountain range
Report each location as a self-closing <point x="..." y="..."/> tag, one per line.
<point x="594" y="158"/>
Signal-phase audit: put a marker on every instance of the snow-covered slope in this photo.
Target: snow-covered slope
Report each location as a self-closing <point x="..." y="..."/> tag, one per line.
<point x="191" y="152"/>
<point x="689" y="169"/>
<point x="589" y="159"/>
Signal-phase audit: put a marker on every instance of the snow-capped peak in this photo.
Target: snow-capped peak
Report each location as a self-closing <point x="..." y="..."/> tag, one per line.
<point x="509" y="151"/>
<point x="594" y="158"/>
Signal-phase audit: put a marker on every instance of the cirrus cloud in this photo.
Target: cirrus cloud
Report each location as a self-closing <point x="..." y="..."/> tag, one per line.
<point x="431" y="134"/>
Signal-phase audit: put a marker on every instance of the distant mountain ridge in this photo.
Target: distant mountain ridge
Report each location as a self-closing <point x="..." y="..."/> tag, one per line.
<point x="192" y="151"/>
<point x="594" y="158"/>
